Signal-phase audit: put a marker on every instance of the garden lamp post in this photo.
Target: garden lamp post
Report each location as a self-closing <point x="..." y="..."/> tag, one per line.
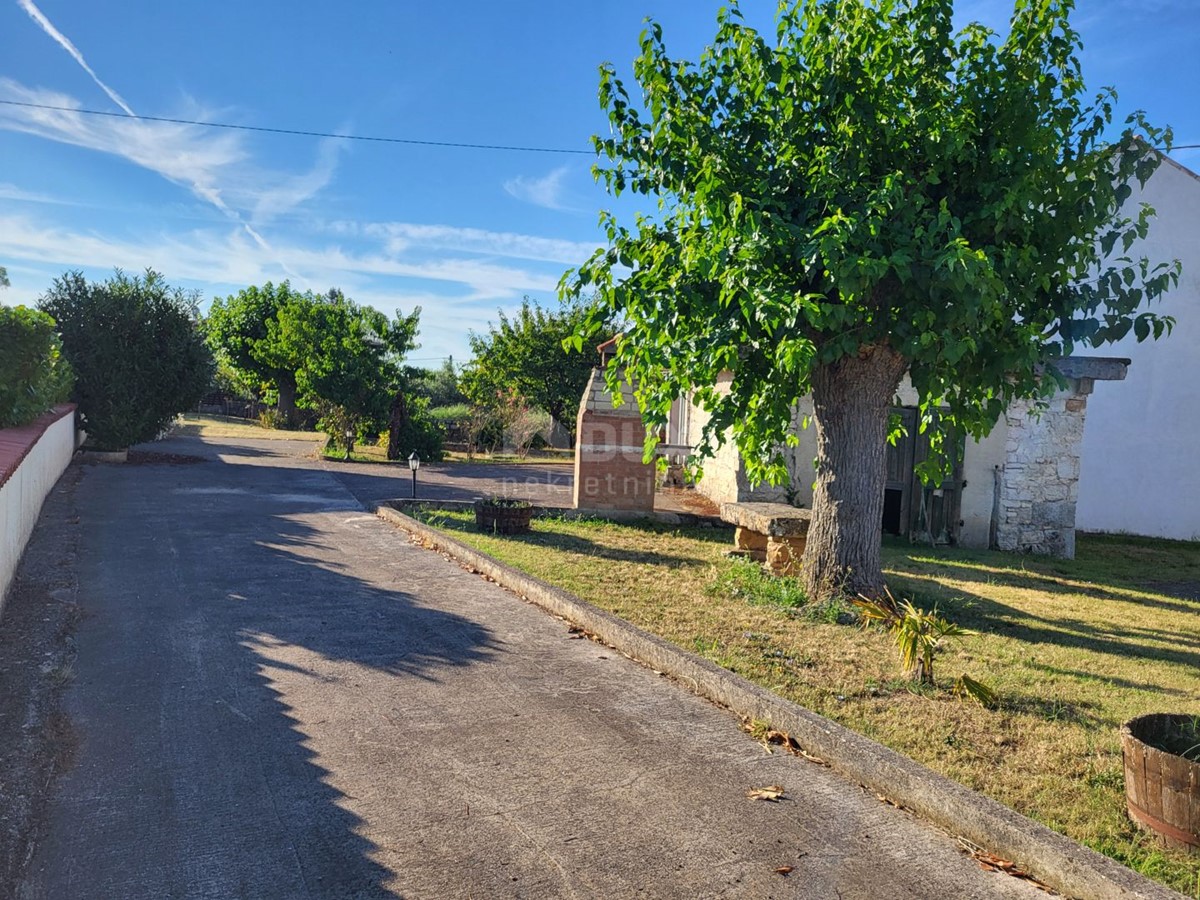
<point x="414" y="463"/>
<point x="349" y="435"/>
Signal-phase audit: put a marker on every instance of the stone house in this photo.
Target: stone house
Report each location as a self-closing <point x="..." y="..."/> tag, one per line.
<point x="1035" y="478"/>
<point x="1016" y="489"/>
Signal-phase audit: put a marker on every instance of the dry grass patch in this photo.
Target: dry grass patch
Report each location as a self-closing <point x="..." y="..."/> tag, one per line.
<point x="212" y="426"/>
<point x="1072" y="648"/>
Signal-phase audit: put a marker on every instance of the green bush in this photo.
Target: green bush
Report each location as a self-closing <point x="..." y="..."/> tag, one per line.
<point x="421" y="433"/>
<point x="453" y="420"/>
<point x="455" y="414"/>
<point x="137" y="352"/>
<point x="33" y="374"/>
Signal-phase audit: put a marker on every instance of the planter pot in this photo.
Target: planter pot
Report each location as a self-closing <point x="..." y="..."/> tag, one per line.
<point x="1162" y="788"/>
<point x="503" y="519"/>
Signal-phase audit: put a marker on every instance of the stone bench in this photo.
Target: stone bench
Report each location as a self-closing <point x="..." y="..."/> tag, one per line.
<point x="774" y="533"/>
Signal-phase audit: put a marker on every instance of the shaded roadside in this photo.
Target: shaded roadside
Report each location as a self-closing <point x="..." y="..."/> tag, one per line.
<point x="37" y="650"/>
<point x="223" y="610"/>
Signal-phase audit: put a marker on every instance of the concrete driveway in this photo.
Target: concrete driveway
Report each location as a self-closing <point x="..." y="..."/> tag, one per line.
<point x="277" y="696"/>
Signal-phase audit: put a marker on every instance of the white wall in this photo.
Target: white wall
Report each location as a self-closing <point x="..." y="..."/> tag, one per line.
<point x="1140" y="470"/>
<point x="22" y="495"/>
<point x="724" y="476"/>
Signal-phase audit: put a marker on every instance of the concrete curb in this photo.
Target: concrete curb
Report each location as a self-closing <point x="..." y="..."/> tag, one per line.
<point x="1059" y="862"/>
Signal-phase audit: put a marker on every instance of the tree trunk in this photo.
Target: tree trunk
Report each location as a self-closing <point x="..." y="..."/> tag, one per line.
<point x="852" y="399"/>
<point x="286" y="384"/>
<point x="396" y="425"/>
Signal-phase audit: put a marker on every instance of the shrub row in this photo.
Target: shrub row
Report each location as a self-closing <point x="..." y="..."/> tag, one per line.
<point x="33" y="374"/>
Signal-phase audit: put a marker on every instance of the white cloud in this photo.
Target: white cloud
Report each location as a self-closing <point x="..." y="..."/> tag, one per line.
<point x="62" y="40"/>
<point x="196" y="255"/>
<point x="229" y="258"/>
<point x="286" y="194"/>
<point x="455" y="293"/>
<point x="183" y="154"/>
<point x="546" y="191"/>
<point x="400" y="237"/>
<point x="214" y="166"/>
<point x="12" y="192"/>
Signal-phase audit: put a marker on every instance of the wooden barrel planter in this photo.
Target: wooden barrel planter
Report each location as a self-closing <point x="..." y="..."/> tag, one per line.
<point x="1162" y="786"/>
<point x="504" y="516"/>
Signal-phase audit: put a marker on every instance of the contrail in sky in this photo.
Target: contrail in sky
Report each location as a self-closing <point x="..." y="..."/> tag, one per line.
<point x="47" y="26"/>
<point x="208" y="193"/>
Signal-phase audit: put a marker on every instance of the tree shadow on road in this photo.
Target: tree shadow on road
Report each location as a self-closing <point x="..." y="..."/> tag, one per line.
<point x="242" y="655"/>
<point x="319" y="626"/>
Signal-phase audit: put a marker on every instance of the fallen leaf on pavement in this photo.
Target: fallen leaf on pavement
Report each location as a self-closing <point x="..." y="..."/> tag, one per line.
<point x="989" y="862"/>
<point x="771" y="793"/>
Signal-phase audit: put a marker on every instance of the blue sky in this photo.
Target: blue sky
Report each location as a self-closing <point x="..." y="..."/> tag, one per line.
<point x="459" y="232"/>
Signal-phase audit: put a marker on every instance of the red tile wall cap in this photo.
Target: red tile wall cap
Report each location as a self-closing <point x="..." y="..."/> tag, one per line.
<point x="15" y="443"/>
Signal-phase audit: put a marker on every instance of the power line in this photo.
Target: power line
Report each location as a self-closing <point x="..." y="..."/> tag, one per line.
<point x="344" y="137"/>
<point x="295" y="131"/>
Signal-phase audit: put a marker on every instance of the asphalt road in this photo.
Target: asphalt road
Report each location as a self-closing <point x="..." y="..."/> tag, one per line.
<point x="277" y="696"/>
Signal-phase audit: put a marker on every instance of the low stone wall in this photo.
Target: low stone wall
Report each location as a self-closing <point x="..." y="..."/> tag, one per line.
<point x="412" y="507"/>
<point x="32" y="458"/>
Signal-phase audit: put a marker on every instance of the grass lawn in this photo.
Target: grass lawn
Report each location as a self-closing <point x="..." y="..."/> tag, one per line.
<point x="205" y="425"/>
<point x="1072" y="648"/>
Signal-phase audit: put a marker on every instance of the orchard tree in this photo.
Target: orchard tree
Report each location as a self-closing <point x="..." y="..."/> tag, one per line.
<point x="527" y="353"/>
<point x="350" y="361"/>
<point x="867" y="196"/>
<point x="238" y="329"/>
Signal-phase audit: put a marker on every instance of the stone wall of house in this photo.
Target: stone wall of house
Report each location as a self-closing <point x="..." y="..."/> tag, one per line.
<point x="1038" y="484"/>
<point x="724" y="477"/>
<point x="1020" y="483"/>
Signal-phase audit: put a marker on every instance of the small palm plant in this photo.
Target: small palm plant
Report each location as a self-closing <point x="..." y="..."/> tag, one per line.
<point x="918" y="633"/>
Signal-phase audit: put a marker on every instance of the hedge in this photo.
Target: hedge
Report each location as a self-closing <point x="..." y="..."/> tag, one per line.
<point x="135" y="346"/>
<point x="33" y="375"/>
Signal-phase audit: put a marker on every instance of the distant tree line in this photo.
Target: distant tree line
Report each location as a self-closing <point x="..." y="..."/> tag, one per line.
<point x="134" y="352"/>
<point x="325" y="355"/>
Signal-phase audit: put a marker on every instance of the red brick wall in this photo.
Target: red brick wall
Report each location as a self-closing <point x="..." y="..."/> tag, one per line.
<point x="609" y="472"/>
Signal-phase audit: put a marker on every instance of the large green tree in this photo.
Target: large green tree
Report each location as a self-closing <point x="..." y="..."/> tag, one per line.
<point x="350" y="360"/>
<point x="528" y="353"/>
<point x="135" y="346"/>
<point x="867" y="195"/>
<point x="239" y="331"/>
